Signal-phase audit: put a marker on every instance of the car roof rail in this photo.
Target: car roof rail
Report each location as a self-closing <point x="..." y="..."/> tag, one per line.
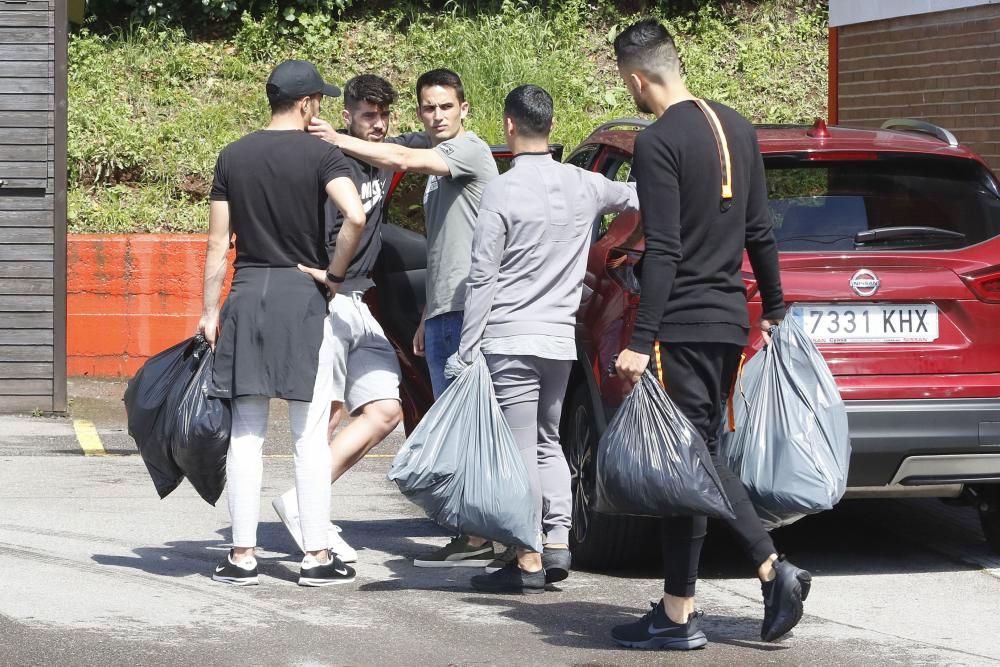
<point x="623" y="122"/>
<point x="914" y="125"/>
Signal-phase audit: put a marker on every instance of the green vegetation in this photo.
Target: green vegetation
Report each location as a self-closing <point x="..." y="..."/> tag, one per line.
<point x="150" y="107"/>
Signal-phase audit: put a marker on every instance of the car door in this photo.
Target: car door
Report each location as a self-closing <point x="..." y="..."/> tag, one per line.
<point x="611" y="292"/>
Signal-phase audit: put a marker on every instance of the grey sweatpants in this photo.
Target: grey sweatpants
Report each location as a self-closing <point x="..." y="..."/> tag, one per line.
<point x="530" y="391"/>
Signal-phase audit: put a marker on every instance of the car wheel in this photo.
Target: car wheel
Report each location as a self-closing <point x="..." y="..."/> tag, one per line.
<point x="989" y="515"/>
<point x="598" y="541"/>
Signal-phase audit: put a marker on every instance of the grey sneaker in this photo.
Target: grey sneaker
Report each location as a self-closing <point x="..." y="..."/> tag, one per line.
<point x="458" y="553"/>
<point x="503" y="559"/>
<point x="556" y="563"/>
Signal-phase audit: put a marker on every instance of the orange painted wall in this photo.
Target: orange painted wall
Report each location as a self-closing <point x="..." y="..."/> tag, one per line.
<point x="129" y="297"/>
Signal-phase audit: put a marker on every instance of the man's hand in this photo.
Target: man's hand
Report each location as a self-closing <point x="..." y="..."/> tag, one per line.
<point x="631" y="365"/>
<point x="208" y="326"/>
<point x="322" y="129"/>
<point x="765" y="327"/>
<point x="418" y="340"/>
<point x="319" y="275"/>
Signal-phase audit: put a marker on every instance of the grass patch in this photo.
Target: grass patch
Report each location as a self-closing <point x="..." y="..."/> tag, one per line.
<point x="150" y="108"/>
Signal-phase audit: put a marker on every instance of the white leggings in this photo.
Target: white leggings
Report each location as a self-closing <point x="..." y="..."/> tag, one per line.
<point x="245" y="464"/>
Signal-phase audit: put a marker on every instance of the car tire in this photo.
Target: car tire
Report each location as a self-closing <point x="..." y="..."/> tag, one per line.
<point x="989" y="515"/>
<point x="598" y="541"/>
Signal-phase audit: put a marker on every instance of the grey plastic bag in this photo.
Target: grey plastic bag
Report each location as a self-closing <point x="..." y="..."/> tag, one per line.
<point x="652" y="462"/>
<point x="791" y="447"/>
<point x="461" y="466"/>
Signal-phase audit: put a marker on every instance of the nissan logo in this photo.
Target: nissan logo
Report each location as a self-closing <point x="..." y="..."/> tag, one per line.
<point x="865" y="283"/>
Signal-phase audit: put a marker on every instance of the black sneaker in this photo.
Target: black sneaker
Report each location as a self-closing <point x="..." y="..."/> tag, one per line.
<point x="556" y="563"/>
<point x="783" y="598"/>
<point x="243" y="573"/>
<point x="458" y="553"/>
<point x="505" y="558"/>
<point x="510" y="579"/>
<point x="333" y="571"/>
<point x="655" y="630"/>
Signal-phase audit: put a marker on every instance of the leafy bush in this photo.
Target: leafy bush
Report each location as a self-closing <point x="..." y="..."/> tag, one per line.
<point x="150" y="107"/>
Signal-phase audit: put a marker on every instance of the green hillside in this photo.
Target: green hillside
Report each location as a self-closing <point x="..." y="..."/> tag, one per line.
<point x="150" y="106"/>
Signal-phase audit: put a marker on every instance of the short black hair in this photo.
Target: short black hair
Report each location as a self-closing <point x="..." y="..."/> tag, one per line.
<point x="647" y="46"/>
<point x="281" y="105"/>
<point x="530" y="107"/>
<point x="369" y="88"/>
<point x="444" y="78"/>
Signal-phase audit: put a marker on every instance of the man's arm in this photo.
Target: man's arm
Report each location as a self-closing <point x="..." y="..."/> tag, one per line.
<point x="345" y="197"/>
<point x="761" y="246"/>
<point x="612" y="196"/>
<point x="488" y="243"/>
<point x="216" y="265"/>
<point x="659" y="202"/>
<point x="383" y="155"/>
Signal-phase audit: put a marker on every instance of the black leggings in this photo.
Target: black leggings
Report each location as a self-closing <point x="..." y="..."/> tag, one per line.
<point x="699" y="377"/>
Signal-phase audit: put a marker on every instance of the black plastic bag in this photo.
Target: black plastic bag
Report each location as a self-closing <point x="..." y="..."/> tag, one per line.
<point x="461" y="466"/>
<point x="156" y="390"/>
<point x="199" y="434"/>
<point x="652" y="462"/>
<point x="791" y="448"/>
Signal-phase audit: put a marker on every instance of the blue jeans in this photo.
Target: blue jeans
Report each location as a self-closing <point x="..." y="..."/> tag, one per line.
<point x="442" y="335"/>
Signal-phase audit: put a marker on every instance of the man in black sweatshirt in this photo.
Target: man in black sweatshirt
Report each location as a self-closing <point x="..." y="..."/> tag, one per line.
<point x="703" y="200"/>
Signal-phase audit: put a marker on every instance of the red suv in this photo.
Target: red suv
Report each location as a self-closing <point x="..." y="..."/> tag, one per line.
<point x="890" y="258"/>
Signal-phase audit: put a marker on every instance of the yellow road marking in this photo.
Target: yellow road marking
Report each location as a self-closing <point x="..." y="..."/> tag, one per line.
<point x="86" y="435"/>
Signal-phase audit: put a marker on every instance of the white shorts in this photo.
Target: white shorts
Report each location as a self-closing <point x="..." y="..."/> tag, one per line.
<point x="365" y="367"/>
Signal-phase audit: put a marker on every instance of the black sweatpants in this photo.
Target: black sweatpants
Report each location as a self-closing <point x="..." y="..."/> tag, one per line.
<point x="699" y="377"/>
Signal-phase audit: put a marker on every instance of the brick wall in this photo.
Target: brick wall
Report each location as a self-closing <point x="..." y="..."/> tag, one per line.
<point x="942" y="67"/>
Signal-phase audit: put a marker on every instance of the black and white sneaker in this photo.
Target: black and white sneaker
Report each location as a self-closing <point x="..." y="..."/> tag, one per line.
<point x="333" y="571"/>
<point x="458" y="553"/>
<point x="503" y="559"/>
<point x="556" y="563"/>
<point x="783" y="598"/>
<point x="656" y="630"/>
<point x="243" y="573"/>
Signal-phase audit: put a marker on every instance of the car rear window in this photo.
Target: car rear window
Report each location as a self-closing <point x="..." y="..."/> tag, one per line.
<point x="819" y="206"/>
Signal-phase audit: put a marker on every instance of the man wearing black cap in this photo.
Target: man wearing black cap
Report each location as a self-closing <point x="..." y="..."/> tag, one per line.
<point x="274" y="340"/>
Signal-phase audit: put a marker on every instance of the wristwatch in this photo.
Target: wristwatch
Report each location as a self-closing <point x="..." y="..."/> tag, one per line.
<point x="334" y="278"/>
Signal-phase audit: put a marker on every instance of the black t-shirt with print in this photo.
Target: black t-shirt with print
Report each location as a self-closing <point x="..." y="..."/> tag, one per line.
<point x="275" y="183"/>
<point x="373" y="186"/>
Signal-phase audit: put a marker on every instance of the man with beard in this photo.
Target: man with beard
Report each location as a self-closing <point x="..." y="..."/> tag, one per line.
<point x="365" y="370"/>
<point x="703" y="201"/>
<point x="459" y="165"/>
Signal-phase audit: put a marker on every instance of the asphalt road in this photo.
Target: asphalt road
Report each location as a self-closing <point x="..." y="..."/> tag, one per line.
<point x="98" y="571"/>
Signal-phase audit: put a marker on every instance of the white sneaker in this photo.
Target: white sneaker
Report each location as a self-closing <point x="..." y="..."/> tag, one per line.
<point x="344" y="551"/>
<point x="287" y="508"/>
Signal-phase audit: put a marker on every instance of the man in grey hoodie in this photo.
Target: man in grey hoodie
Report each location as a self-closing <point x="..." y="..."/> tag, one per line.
<point x="529" y="254"/>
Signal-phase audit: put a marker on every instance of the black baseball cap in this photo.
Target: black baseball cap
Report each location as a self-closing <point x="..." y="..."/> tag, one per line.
<point x="295" y="79"/>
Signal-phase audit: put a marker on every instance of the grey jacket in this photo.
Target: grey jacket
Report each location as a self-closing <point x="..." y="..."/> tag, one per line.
<point x="529" y="250"/>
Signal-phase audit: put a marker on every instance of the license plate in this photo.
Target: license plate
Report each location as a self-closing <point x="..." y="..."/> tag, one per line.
<point x="868" y="322"/>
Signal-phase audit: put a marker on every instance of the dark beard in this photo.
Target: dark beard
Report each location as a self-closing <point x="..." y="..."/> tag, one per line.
<point x="640" y="105"/>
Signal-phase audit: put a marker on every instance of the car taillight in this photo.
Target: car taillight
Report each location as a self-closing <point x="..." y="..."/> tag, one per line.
<point x="751" y="286"/>
<point x="985" y="284"/>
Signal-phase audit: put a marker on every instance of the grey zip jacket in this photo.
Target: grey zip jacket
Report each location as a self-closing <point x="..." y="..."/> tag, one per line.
<point x="530" y="247"/>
